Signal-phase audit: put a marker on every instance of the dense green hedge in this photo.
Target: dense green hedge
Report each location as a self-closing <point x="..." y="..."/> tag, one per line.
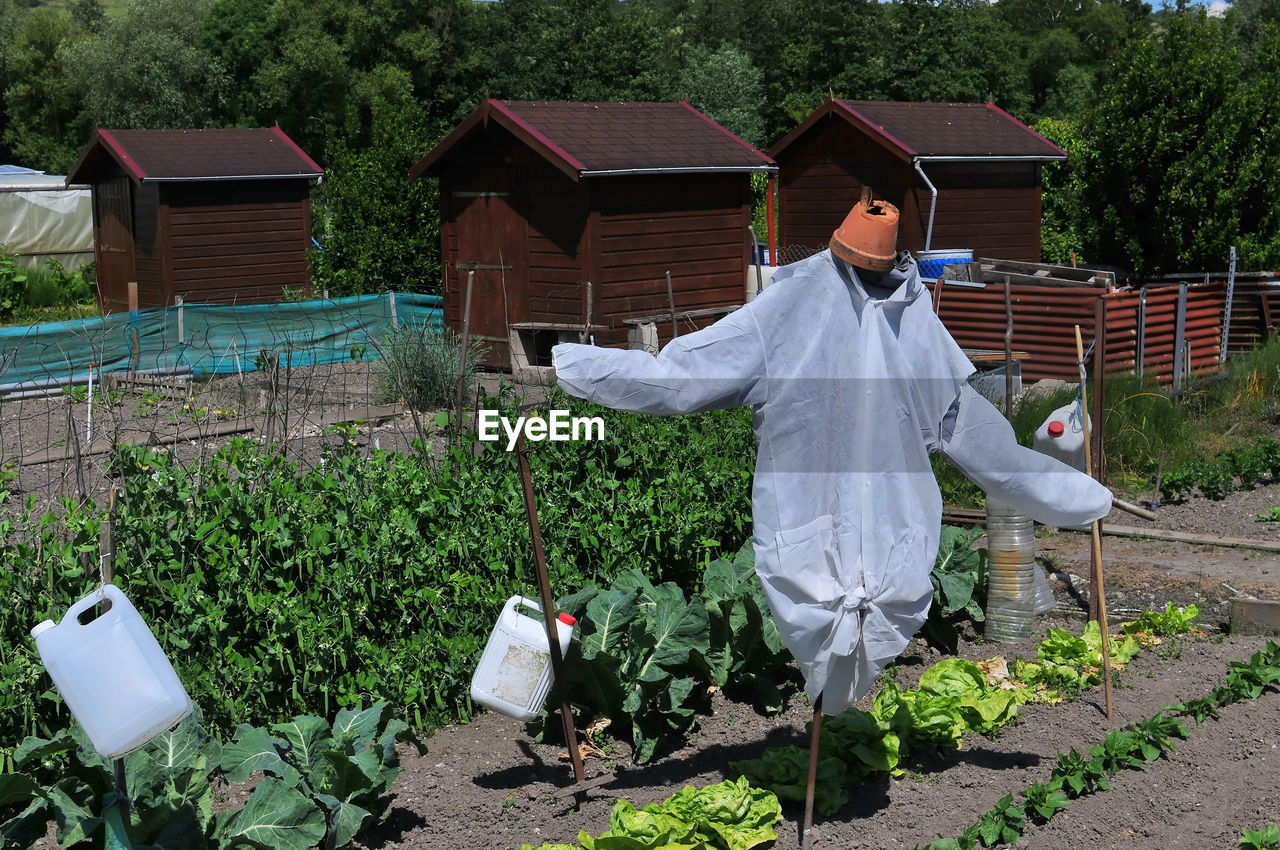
<point x="279" y="591"/>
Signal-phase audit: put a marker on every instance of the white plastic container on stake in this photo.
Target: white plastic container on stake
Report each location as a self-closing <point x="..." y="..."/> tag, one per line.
<point x="1061" y="435"/>
<point x="514" y="673"/>
<point x="112" y="673"/>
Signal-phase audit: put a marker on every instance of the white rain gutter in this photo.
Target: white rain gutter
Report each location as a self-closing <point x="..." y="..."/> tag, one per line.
<point x="218" y="179"/>
<point x="933" y="202"/>
<point x="690" y="169"/>
<point x="933" y="190"/>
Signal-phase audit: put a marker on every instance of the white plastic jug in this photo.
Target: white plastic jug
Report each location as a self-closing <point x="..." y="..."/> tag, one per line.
<point x="514" y="673"/>
<point x="111" y="672"/>
<point x="1061" y="436"/>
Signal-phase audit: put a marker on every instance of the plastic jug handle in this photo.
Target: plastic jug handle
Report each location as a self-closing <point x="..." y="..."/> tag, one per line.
<point x="101" y="594"/>
<point x="529" y="603"/>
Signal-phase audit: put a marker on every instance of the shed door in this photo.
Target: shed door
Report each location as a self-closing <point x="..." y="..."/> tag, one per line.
<point x="493" y="243"/>
<point x="113" y="223"/>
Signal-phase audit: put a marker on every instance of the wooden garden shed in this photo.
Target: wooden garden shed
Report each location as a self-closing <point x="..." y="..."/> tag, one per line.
<point x="215" y="216"/>
<point x="963" y="175"/>
<point x="572" y="214"/>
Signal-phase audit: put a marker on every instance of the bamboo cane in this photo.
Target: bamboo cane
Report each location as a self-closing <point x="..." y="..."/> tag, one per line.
<point x="1096" y="535"/>
<point x="548" y="608"/>
<point x="806" y="832"/>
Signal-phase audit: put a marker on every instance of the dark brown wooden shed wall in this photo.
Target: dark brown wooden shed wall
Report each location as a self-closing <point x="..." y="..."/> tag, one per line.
<point x="992" y="208"/>
<point x="621" y="233"/>
<point x="558" y="234"/>
<point x="237" y="241"/>
<point x="113" y="246"/>
<point x="694" y="226"/>
<point x="821" y="171"/>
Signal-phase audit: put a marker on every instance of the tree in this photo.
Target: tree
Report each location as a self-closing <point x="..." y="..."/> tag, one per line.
<point x="41" y="107"/>
<point x="1061" y="237"/>
<point x="1183" y="157"/>
<point x="146" y="68"/>
<point x="727" y="87"/>
<point x="955" y="50"/>
<point x="378" y="229"/>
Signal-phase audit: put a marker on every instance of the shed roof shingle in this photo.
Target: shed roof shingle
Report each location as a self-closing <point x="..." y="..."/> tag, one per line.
<point x="599" y="139"/>
<point x="244" y="153"/>
<point x="976" y="130"/>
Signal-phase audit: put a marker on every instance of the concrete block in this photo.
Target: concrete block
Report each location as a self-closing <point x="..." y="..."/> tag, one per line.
<point x="1255" y="616"/>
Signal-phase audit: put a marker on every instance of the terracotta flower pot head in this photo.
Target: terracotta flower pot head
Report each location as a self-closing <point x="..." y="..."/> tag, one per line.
<point x="869" y="235"/>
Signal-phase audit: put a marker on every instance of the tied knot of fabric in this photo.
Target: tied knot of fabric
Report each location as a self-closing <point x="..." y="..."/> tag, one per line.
<point x="855" y="599"/>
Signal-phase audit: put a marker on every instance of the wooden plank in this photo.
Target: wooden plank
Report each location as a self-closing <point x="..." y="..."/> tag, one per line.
<point x="269" y="243"/>
<point x="295" y="278"/>
<point x="183" y="264"/>
<point x="987" y="275"/>
<point x="721" y="253"/>
<point x="230" y="215"/>
<point x="241" y="231"/>
<point x="1063" y="272"/>
<point x="673" y="224"/>
<point x="645" y="275"/>
<point x="613" y="242"/>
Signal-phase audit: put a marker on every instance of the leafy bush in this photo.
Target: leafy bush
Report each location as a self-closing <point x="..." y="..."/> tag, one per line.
<point x="323" y="784"/>
<point x="12" y="279"/>
<point x="644" y="650"/>
<point x="420" y="365"/>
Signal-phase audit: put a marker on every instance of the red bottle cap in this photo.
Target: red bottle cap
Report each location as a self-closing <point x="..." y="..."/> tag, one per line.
<point x="1055" y="428"/>
<point x="567" y="619"/>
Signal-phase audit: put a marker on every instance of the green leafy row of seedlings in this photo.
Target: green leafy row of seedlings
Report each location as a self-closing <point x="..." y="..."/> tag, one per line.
<point x="1130" y="748"/>
<point x="954" y="697"/>
<point x="279" y="591"/>
<point x="323" y="783"/>
<point x="645" y="652"/>
<point x="1217" y="476"/>
<point x="731" y="815"/>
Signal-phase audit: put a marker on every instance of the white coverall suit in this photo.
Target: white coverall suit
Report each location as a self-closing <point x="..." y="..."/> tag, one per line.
<point x="852" y="380"/>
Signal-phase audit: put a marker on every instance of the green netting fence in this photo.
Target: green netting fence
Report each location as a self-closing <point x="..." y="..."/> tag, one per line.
<point x="208" y="339"/>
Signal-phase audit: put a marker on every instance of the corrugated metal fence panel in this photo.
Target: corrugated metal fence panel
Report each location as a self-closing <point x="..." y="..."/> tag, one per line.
<point x="1045" y="317"/>
<point x="1201" y="334"/>
<point x="1044" y="320"/>
<point x="210" y="339"/>
<point x="1255" y="314"/>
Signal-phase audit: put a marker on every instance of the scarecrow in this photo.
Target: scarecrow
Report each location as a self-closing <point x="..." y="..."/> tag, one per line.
<point x="853" y="381"/>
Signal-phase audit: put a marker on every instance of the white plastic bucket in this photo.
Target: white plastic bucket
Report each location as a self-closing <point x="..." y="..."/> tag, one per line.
<point x="933" y="262"/>
<point x="113" y="675"/>
<point x="1061" y="435"/>
<point x="514" y="673"/>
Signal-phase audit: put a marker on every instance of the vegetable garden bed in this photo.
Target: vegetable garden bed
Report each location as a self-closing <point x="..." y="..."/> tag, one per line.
<point x="489" y="784"/>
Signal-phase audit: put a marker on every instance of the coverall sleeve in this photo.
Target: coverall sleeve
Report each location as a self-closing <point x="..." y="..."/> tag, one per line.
<point x="981" y="443"/>
<point x="716" y="367"/>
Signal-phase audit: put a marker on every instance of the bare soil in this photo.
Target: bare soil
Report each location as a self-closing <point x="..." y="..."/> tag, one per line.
<point x="490" y="784"/>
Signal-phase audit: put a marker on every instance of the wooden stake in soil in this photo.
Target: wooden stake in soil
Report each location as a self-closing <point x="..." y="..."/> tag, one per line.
<point x="1008" y="350"/>
<point x="548" y="607"/>
<point x="107" y="574"/>
<point x="671" y="300"/>
<point x="806" y="832"/>
<point x="1095" y="531"/>
<point x="462" y="354"/>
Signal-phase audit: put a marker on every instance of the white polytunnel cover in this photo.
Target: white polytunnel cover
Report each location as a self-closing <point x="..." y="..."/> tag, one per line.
<point x="41" y="218"/>
<point x="852" y="380"/>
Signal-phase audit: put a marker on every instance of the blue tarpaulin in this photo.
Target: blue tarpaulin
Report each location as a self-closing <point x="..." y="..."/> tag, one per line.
<point x="211" y="339"/>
